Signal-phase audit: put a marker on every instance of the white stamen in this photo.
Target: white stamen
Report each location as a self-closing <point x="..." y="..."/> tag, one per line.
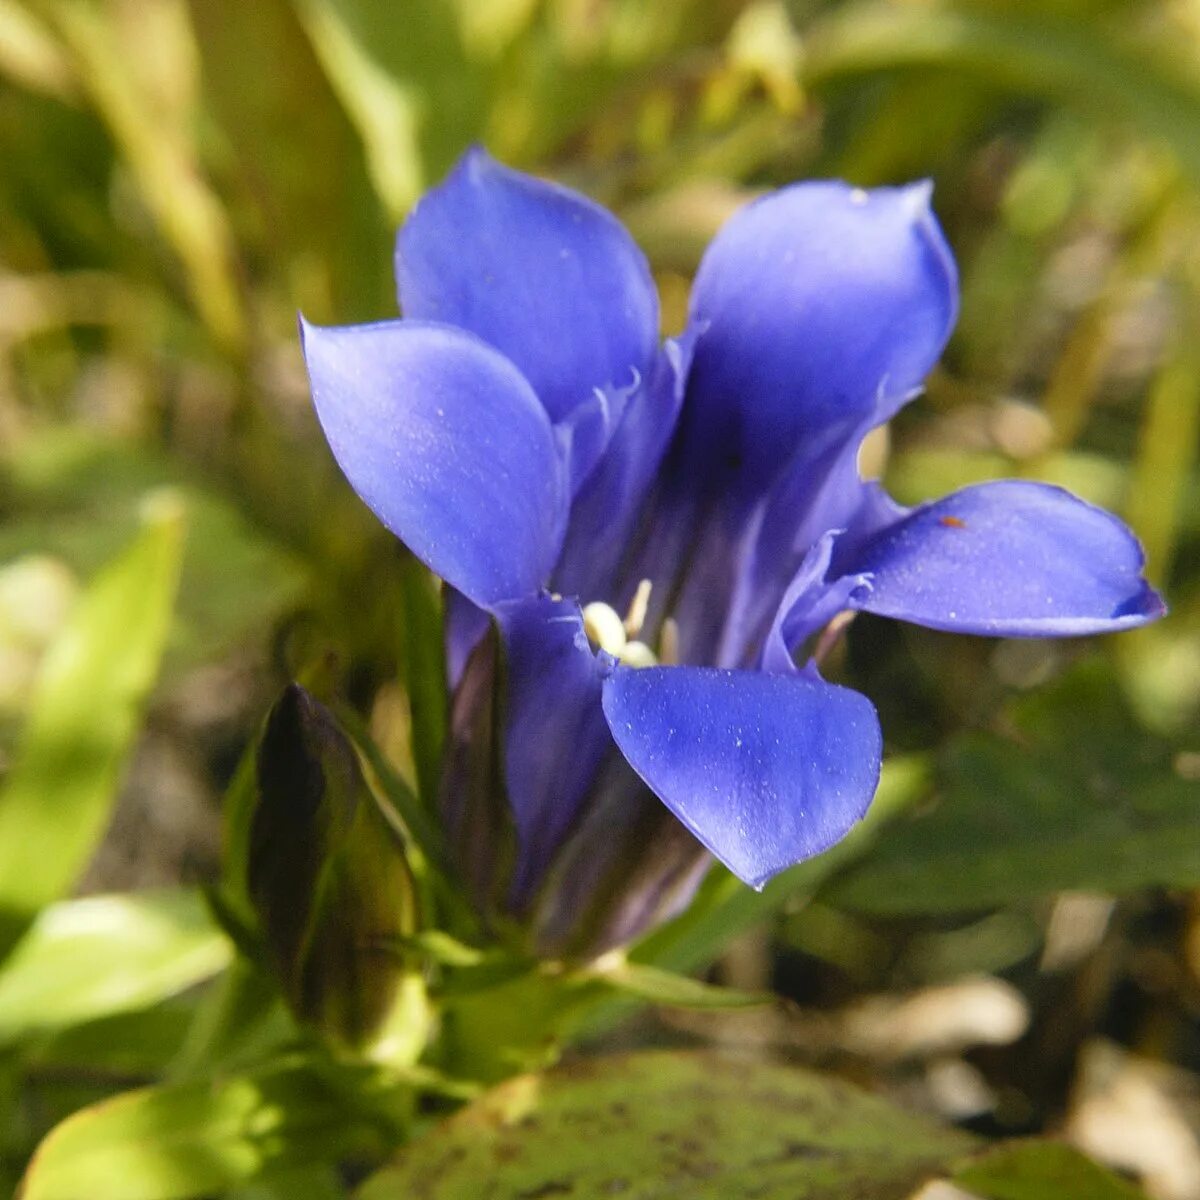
<point x="637" y="654"/>
<point x="635" y="618"/>
<point x="604" y="628"/>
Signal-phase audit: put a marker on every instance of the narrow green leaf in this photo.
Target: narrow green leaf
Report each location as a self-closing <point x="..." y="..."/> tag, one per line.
<point x="294" y="160"/>
<point x="157" y="142"/>
<point x="1087" y="63"/>
<point x="83" y="719"/>
<point x="441" y="948"/>
<point x="86" y="959"/>
<point x="1042" y="1171"/>
<point x="195" y="1138"/>
<point x="672" y="990"/>
<point x="425" y="676"/>
<point x="239" y="1023"/>
<point x="382" y="105"/>
<point x="406" y="86"/>
<point x="77" y="495"/>
<point x="237" y="814"/>
<point x="672" y="1124"/>
<point x="419" y="827"/>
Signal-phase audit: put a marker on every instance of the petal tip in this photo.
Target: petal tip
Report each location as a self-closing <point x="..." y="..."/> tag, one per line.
<point x="476" y="162"/>
<point x="307" y="329"/>
<point x="918" y="197"/>
<point x="1140" y="609"/>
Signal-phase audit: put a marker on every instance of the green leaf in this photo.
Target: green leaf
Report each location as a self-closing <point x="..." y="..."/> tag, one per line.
<point x="84" y="716"/>
<point x="303" y="1183"/>
<point x="425" y="676"/>
<point x="77" y="496"/>
<point x="139" y="1044"/>
<point x="672" y="990"/>
<point x="239" y="1023"/>
<point x="1090" y="64"/>
<point x="195" y="1138"/>
<point x="406" y="86"/>
<point x="103" y="955"/>
<point x="672" y="1124"/>
<point x="114" y="62"/>
<point x="1083" y="797"/>
<point x="296" y="161"/>
<point x="1042" y="1171"/>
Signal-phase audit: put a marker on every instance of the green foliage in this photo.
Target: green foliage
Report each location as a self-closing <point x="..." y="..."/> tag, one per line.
<point x="1094" y="64"/>
<point x="92" y="958"/>
<point x="84" y="715"/>
<point x="194" y="1138"/>
<point x="660" y="1123"/>
<point x="1076" y="796"/>
<point x="701" y="1125"/>
<point x="1040" y="1171"/>
<point x="80" y="497"/>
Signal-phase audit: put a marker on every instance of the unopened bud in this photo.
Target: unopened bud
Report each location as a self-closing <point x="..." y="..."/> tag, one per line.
<point x="327" y="875"/>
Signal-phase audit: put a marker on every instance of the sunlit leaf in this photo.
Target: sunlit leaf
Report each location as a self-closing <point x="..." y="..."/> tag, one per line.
<point x="102" y="955"/>
<point x="672" y="1124"/>
<point x="29" y="55"/>
<point x="83" y="718"/>
<point x="192" y="1139"/>
<point x="78" y="496"/>
<point x="672" y="990"/>
<point x="1042" y="1171"/>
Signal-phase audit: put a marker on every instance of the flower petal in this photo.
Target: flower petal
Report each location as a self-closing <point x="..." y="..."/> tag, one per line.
<point x="608" y="505"/>
<point x="463" y="627"/>
<point x="809" y="603"/>
<point x="445" y="441"/>
<point x="765" y="770"/>
<point x="822" y="308"/>
<point x="1006" y="559"/>
<point x="540" y="272"/>
<point x="555" y="735"/>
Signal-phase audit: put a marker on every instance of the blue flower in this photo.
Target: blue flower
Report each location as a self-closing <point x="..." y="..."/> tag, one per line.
<point x="657" y="531"/>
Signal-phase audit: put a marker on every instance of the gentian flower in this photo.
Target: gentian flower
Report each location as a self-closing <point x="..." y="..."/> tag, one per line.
<point x="640" y="540"/>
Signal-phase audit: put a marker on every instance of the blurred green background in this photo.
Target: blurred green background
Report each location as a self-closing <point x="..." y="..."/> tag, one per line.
<point x="180" y="177"/>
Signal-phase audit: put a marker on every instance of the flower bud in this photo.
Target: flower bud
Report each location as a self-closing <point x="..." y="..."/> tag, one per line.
<point x="327" y="876"/>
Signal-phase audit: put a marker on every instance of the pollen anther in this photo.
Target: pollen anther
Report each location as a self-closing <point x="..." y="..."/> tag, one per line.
<point x="605" y="630"/>
<point x="637" y="654"/>
<point x="635" y="618"/>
